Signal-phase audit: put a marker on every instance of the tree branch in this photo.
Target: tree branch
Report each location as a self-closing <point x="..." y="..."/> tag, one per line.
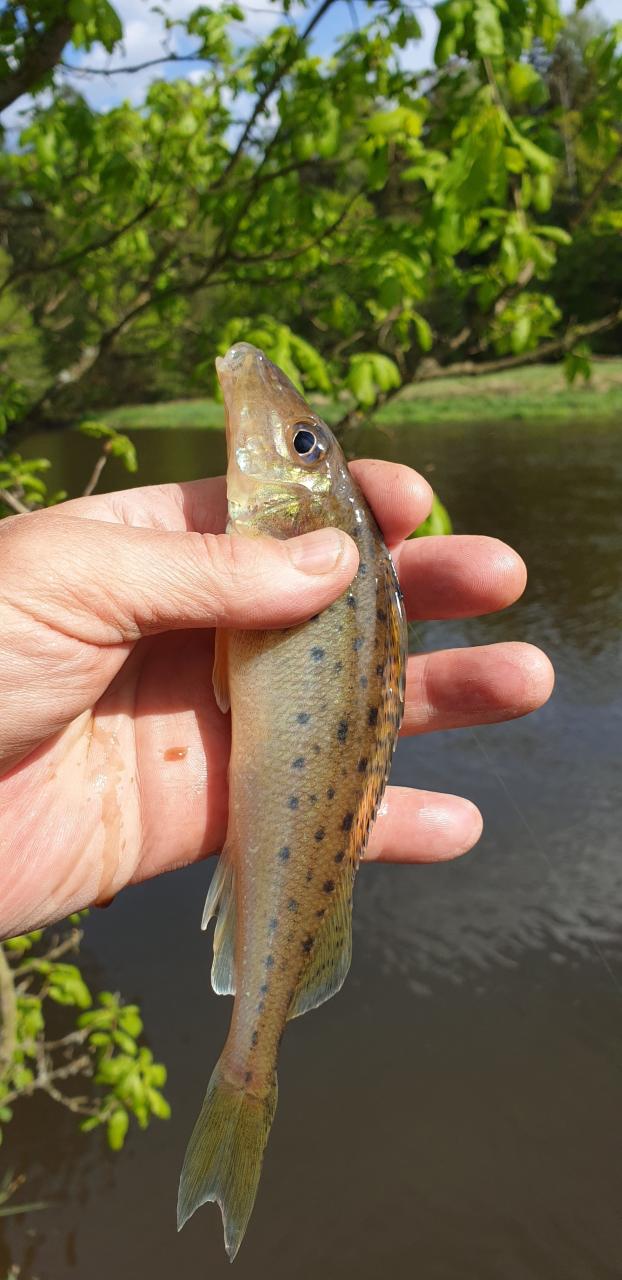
<point x="139" y="66"/>
<point x="103" y="243"/>
<point x="269" y="89"/>
<point x="472" y="369"/>
<point x="39" y="58"/>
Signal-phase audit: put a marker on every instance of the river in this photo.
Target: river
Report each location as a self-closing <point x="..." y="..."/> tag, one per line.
<point x="455" y="1114"/>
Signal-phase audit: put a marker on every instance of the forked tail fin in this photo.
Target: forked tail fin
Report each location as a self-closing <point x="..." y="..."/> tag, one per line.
<point x="224" y="1156"/>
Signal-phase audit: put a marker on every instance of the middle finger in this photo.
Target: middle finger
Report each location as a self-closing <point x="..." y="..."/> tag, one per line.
<point x="460" y="576"/>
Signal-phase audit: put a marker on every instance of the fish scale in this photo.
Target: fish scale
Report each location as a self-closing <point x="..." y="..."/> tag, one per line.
<point x="316" y="710"/>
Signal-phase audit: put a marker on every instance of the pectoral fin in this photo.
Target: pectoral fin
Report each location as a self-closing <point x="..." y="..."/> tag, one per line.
<point x="220" y="902"/>
<point x="220" y="674"/>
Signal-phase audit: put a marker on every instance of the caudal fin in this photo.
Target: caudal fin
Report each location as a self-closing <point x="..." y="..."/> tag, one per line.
<point x="224" y="1156"/>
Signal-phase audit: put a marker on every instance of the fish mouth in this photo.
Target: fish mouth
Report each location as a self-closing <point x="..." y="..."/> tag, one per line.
<point x="254" y="390"/>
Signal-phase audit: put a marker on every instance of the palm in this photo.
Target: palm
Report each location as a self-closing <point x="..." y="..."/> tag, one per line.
<point x="124" y="774"/>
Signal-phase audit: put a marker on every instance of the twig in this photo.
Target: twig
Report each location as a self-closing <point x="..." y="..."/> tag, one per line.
<point x="92" y="483"/>
<point x="44" y="1081"/>
<point x="14" y="503"/>
<point x="55" y="952"/>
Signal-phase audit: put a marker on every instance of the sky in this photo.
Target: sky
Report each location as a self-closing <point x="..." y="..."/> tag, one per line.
<point x="143" y="41"/>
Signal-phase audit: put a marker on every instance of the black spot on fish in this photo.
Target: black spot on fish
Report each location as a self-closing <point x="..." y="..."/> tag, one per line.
<point x="339" y="857"/>
<point x="358" y="643"/>
<point x="254" y="1038"/>
<point x="312" y="800"/>
<point x="362" y="568"/>
<point x="309" y="875"/>
<point x="347" y="821"/>
<point x="284" y="853"/>
<point x="317" y="654"/>
<point x="352" y="601"/>
<point x="372" y="717"/>
<point x="320" y="833"/>
<point x="292" y="905"/>
<point x="321" y="912"/>
<point x="362" y="764"/>
<point x="381" y="615"/>
<point x="293" y="802"/>
<point x="298" y="763"/>
<point x="273" y="924"/>
<point x="380" y="669"/>
<point x="363" y="682"/>
<point x="264" y="989"/>
<point x="316" y="749"/>
<point x="269" y="962"/>
<point x="248" y="1077"/>
<point x="342" y="730"/>
<point x="330" y="794"/>
<point x="328" y="886"/>
<point x="303" y="717"/>
<point x="307" y="944"/>
<point x="338" y="667"/>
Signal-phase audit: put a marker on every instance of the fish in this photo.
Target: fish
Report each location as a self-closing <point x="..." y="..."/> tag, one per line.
<point x="315" y="713"/>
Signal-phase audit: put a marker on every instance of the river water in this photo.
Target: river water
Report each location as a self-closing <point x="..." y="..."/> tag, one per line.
<point x="455" y="1114"/>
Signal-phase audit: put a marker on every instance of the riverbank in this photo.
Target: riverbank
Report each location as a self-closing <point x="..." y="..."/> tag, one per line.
<point x="533" y="393"/>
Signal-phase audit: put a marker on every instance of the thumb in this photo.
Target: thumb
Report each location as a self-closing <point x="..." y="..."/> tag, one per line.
<point x="107" y="583"/>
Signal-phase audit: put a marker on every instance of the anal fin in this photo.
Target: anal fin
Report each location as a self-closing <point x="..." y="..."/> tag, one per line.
<point x="330" y="958"/>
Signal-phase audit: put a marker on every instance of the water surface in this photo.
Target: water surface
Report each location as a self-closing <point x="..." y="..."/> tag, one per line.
<point x="455" y="1113"/>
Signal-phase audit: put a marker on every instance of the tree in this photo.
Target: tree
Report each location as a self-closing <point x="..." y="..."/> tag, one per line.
<point x="85" y="1054"/>
<point x="369" y="225"/>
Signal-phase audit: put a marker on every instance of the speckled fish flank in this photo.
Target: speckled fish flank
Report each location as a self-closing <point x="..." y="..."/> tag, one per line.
<point x="316" y="710"/>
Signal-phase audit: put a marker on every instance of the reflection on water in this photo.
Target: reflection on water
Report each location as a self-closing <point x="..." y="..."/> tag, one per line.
<point x="455" y="1113"/>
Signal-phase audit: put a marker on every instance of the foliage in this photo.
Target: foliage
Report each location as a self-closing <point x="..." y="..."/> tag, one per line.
<point x="364" y="220"/>
<point x="57" y="1038"/>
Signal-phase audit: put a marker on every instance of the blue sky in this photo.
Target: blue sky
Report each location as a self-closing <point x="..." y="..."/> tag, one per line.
<point x="143" y="41"/>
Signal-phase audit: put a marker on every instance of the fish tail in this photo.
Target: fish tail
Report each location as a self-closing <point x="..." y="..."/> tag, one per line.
<point x="224" y="1156"/>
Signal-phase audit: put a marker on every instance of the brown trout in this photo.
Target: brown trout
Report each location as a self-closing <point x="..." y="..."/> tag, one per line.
<point x="315" y="712"/>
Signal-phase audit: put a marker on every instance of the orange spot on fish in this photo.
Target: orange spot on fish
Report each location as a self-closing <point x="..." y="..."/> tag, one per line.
<point x="175" y="753"/>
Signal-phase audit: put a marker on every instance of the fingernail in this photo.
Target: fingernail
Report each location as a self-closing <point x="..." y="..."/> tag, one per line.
<point x="317" y="552"/>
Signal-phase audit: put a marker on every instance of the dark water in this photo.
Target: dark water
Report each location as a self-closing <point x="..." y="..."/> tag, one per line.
<point x="456" y="1113"/>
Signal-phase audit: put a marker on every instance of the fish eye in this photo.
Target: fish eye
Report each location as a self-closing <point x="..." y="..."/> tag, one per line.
<point x="307" y="443"/>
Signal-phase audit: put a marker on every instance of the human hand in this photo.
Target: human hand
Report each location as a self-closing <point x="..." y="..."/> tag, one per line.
<point x="113" y="750"/>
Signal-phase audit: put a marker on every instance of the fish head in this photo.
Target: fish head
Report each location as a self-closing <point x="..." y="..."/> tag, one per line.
<point x="286" y="472"/>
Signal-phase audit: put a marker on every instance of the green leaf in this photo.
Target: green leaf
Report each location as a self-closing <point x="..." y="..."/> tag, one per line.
<point x="438" y="521"/>
<point x="159" y="1105"/>
<point x="521" y="333"/>
<point x="117" y="1128"/>
<point x="423" y="331"/>
<point x="557" y="234"/>
<point x="488" y="29"/>
<point x="526" y="85"/>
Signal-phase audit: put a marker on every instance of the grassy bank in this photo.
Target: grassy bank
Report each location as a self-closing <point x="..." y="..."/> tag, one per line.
<point x="536" y="392"/>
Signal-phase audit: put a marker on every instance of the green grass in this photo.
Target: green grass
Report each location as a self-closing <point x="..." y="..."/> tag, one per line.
<point x="534" y="393"/>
